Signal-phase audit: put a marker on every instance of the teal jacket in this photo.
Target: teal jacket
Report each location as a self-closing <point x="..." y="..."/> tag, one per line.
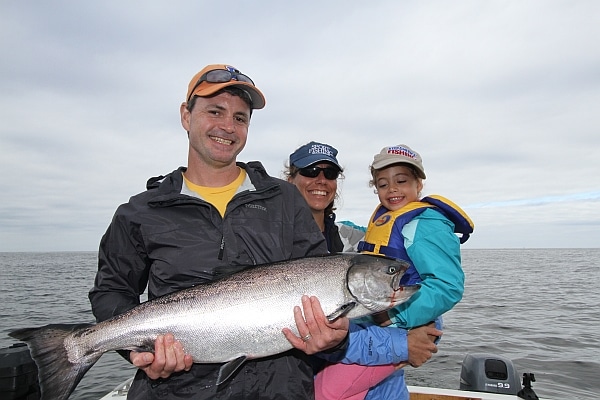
<point x="434" y="252"/>
<point x="429" y="242"/>
<point x="422" y="233"/>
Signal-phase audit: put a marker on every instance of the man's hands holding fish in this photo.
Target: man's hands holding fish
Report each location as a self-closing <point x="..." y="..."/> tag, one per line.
<point x="317" y="332"/>
<point x="168" y="357"/>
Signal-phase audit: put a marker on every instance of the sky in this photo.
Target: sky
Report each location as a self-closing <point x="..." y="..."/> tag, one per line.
<point x="501" y="99"/>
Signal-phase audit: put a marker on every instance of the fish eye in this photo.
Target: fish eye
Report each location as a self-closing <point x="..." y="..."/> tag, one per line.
<point x="392" y="270"/>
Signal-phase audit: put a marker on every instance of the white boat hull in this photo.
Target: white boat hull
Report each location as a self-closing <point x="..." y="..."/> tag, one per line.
<point x="427" y="393"/>
<point x="416" y="393"/>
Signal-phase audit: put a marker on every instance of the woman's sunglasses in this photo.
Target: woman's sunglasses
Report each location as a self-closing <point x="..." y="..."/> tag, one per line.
<point x="330" y="173"/>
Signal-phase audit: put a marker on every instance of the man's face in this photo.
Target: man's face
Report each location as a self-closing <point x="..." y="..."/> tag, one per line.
<point x="218" y="129"/>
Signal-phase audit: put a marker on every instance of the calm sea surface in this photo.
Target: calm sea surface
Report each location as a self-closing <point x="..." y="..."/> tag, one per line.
<point x="537" y="307"/>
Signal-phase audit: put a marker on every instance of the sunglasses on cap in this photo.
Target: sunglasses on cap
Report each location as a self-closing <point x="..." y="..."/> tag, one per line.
<point x="330" y="173"/>
<point x="221" y="76"/>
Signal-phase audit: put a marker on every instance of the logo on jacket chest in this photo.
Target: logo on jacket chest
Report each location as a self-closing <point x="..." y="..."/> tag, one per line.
<point x="382" y="220"/>
<point x="256" y="207"/>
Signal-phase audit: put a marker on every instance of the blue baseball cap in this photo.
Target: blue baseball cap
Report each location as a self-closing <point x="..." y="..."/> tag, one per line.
<point x="313" y="153"/>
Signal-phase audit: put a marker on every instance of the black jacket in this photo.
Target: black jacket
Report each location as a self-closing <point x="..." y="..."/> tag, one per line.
<point x="169" y="239"/>
<point x="332" y="235"/>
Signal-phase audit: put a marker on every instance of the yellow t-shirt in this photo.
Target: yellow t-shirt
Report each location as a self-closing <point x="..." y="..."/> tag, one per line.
<point x="218" y="196"/>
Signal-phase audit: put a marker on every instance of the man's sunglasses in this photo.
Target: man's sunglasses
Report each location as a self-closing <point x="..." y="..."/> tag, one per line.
<point x="330" y="173"/>
<point x="221" y="76"/>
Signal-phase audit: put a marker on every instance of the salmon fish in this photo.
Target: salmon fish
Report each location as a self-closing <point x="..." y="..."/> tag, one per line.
<point x="228" y="321"/>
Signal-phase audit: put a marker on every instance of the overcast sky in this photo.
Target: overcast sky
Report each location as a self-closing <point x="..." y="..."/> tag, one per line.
<point x="501" y="98"/>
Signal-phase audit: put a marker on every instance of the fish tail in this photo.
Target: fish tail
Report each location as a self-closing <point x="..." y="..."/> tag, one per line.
<point x="57" y="376"/>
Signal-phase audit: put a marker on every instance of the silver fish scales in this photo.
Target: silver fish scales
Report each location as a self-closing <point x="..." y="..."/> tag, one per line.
<point x="237" y="318"/>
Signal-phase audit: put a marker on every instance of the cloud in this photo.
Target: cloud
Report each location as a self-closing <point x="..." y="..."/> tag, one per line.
<point x="499" y="97"/>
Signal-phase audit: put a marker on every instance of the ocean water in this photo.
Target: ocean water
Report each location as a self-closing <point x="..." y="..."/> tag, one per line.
<point x="537" y="307"/>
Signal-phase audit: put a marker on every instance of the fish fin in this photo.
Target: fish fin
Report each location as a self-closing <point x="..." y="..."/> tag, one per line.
<point x="57" y="376"/>
<point x="228" y="369"/>
<point x="341" y="311"/>
<point x="146" y="346"/>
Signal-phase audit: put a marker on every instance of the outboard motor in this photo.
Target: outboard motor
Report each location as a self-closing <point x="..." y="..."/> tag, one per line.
<point x="489" y="373"/>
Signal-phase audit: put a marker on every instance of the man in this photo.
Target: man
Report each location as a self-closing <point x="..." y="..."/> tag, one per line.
<point x="205" y="221"/>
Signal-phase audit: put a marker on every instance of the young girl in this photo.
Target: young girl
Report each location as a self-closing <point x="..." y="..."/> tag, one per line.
<point x="422" y="232"/>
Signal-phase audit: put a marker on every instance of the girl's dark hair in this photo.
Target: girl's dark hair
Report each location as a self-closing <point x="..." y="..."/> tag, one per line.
<point x="412" y="168"/>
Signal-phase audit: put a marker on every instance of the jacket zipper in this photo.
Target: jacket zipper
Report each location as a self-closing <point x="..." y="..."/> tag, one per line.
<point x="222" y="248"/>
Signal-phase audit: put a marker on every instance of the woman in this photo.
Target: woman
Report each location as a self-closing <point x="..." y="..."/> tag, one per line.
<point x="314" y="169"/>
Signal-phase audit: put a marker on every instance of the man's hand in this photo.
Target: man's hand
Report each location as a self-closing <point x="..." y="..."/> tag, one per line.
<point x="420" y="344"/>
<point x="168" y="357"/>
<point x="316" y="332"/>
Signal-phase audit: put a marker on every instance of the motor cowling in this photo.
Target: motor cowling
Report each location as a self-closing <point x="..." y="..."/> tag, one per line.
<point x="490" y="373"/>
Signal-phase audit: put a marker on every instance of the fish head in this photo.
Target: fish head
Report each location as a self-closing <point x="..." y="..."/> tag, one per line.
<point x="374" y="281"/>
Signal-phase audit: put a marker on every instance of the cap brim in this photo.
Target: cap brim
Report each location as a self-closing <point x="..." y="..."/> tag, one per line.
<point x="206" y="89"/>
<point x="387" y="162"/>
<point x="307" y="161"/>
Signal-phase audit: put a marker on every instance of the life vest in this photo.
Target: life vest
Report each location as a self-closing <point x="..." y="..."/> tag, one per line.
<point x="380" y="227"/>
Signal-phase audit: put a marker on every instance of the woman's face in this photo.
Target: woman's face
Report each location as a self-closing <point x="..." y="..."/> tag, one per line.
<point x="319" y="191"/>
<point x="397" y="186"/>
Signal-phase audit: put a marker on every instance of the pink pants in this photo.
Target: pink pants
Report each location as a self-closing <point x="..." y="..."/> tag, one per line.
<point x="349" y="381"/>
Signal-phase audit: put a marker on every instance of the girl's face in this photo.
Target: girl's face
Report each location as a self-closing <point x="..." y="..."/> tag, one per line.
<point x="397" y="186"/>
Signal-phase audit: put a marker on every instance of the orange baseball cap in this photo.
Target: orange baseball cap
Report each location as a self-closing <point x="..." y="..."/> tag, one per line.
<point x="215" y="77"/>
